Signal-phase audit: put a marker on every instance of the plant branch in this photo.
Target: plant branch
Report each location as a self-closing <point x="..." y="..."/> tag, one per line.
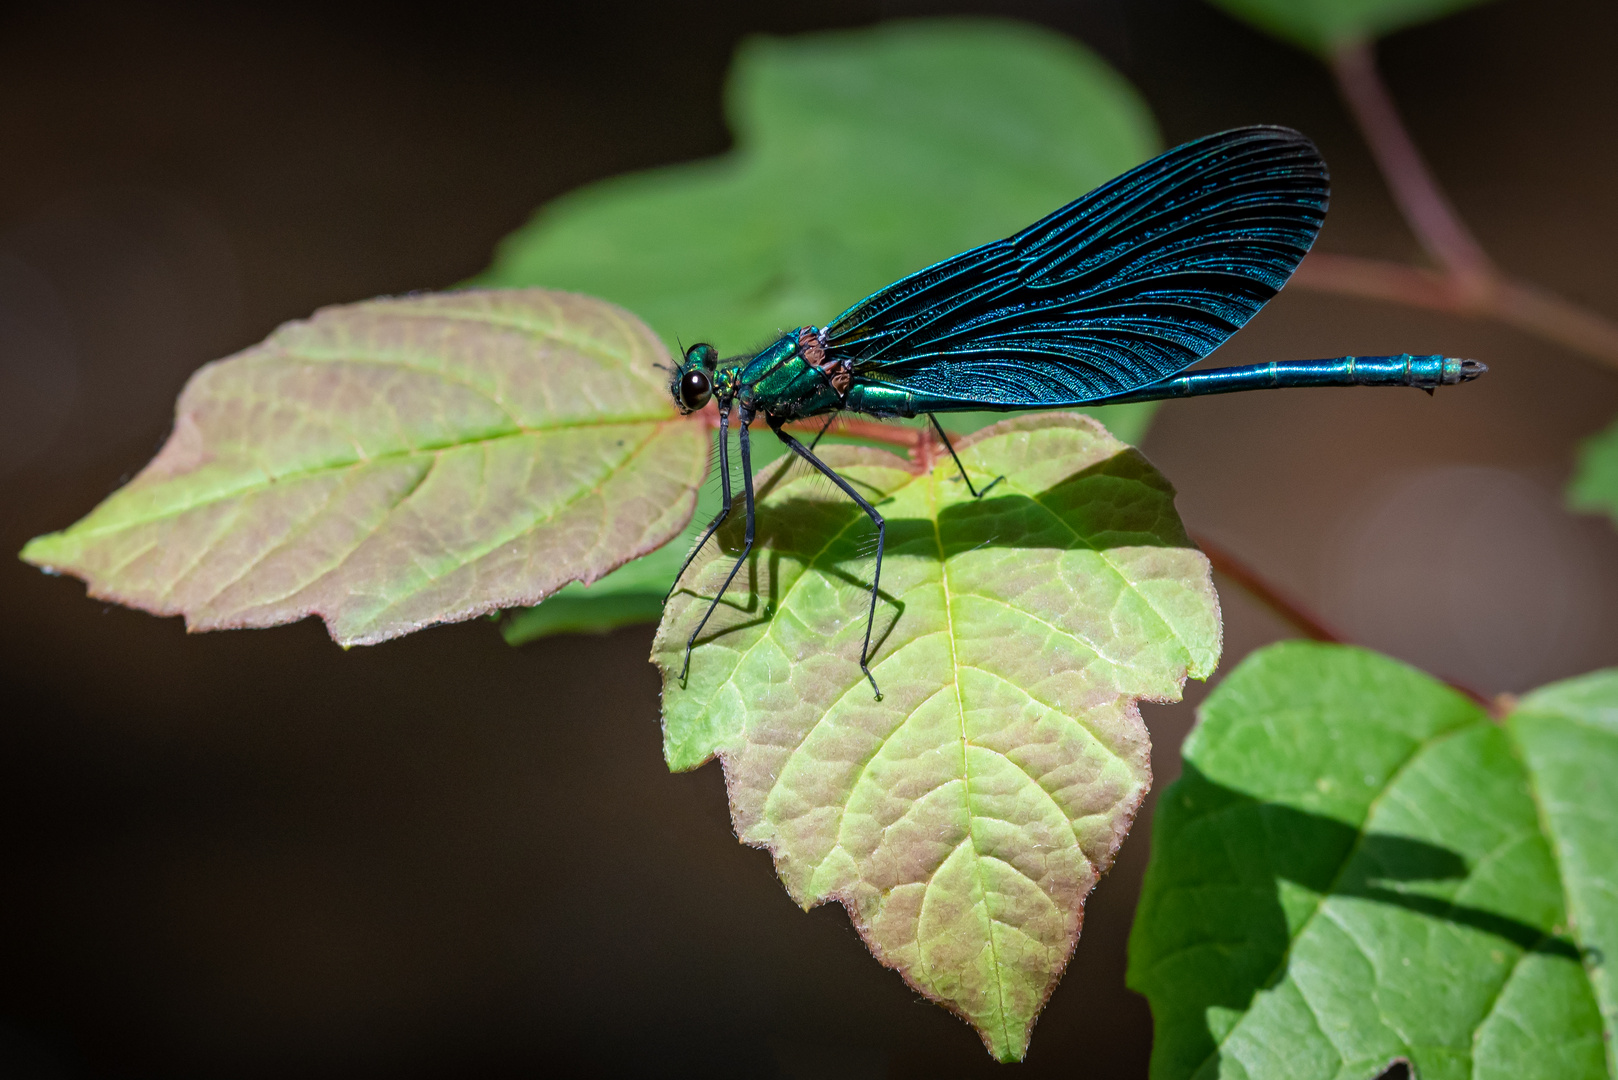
<point x="1288" y="610"/>
<point x="1514" y="303"/>
<point x="1425" y="206"/>
<point x="1304" y="621"/>
<point x="1467" y="282"/>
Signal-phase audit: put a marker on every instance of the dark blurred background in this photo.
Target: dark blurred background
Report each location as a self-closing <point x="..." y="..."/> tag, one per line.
<point x="251" y="854"/>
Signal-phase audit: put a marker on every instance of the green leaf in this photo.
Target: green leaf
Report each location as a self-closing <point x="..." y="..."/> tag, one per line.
<point x="1322" y="25"/>
<point x="1358" y="866"/>
<point x="1595" y="479"/>
<point x="397" y="463"/>
<point x="860" y="157"/>
<point x="1567" y="735"/>
<point x="963" y="818"/>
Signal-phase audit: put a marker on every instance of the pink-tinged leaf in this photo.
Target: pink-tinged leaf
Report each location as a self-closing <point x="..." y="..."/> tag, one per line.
<point x="397" y="463"/>
<point x="964" y="817"/>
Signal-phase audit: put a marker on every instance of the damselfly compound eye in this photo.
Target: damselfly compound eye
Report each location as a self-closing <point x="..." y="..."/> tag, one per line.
<point x="694" y="389"/>
<point x="702" y="355"/>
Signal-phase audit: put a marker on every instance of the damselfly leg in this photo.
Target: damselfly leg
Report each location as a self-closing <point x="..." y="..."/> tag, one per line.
<point x="745" y="417"/>
<point x="976" y="494"/>
<point x="724" y="505"/>
<point x="881" y="534"/>
<point x="823" y="429"/>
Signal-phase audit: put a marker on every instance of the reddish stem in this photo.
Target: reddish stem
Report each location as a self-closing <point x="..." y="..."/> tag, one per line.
<point x="1514" y="303"/>
<point x="1528" y="307"/>
<point x="1305" y="622"/>
<point x="1428" y="210"/>
<point x="1290" y="611"/>
<point x="905" y="438"/>
<point x="1468" y="283"/>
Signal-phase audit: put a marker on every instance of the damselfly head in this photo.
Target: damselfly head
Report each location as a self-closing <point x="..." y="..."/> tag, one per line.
<point x="702" y="355"/>
<point x="692" y="384"/>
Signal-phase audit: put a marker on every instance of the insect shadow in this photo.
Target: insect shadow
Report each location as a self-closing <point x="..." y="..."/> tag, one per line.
<point x="1120" y="501"/>
<point x="1239" y="850"/>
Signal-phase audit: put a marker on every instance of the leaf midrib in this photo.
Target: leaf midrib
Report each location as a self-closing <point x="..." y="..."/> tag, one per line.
<point x="809" y="565"/>
<point x="966" y="766"/>
<point x="253" y="487"/>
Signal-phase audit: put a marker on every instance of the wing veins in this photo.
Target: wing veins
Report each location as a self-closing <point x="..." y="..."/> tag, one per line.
<point x="1130" y="283"/>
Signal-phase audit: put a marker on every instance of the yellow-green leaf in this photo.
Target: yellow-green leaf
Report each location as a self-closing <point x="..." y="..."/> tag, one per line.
<point x="965" y="816"/>
<point x="397" y="463"/>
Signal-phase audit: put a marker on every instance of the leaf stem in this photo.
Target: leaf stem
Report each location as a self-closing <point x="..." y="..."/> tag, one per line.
<point x="1466" y="282"/>
<point x="1306" y="622"/>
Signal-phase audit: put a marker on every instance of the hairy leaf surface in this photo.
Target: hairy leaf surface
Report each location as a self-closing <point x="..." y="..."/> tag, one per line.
<point x="860" y="156"/>
<point x="1321" y="25"/>
<point x="396" y="463"/>
<point x="964" y="817"/>
<point x="1359" y="867"/>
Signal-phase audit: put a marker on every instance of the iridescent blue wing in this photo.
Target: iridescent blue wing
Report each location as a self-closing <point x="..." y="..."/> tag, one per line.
<point x="1128" y="285"/>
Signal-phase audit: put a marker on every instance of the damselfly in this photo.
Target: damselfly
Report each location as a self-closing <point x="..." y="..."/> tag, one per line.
<point x="1106" y="300"/>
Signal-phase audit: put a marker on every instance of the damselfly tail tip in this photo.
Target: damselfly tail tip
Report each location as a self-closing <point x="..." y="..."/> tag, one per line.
<point x="1454" y="372"/>
<point x="1460" y="371"/>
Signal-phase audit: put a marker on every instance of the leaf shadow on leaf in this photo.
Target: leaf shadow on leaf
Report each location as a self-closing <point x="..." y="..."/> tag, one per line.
<point x="1104" y="509"/>
<point x="1245" y="849"/>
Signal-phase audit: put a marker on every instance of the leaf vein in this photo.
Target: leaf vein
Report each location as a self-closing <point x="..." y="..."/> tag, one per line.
<point x="1337" y="878"/>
